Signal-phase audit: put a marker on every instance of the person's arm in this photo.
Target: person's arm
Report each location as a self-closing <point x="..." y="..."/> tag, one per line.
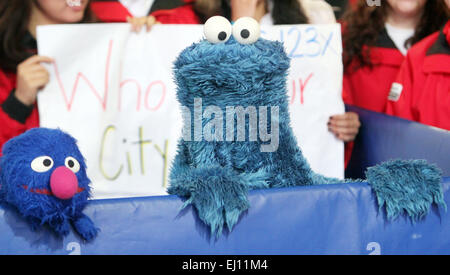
<point x="13" y="113"/>
<point x="15" y="109"/>
<point x="17" y="104"/>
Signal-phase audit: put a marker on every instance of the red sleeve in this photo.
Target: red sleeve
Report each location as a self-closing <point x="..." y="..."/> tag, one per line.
<point x="11" y="127"/>
<point x="182" y="15"/>
<point x="400" y="96"/>
<point x="114" y="11"/>
<point x="110" y="11"/>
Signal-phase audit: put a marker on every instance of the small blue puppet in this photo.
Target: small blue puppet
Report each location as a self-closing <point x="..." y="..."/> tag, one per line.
<point x="234" y="67"/>
<point x="43" y="176"/>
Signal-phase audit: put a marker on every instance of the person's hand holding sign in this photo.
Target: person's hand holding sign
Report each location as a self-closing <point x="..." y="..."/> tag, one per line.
<point x="31" y="77"/>
<point x="138" y="22"/>
<point x="345" y="127"/>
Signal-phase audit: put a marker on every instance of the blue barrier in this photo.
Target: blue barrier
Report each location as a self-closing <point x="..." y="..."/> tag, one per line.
<point x="382" y="137"/>
<point x="333" y="219"/>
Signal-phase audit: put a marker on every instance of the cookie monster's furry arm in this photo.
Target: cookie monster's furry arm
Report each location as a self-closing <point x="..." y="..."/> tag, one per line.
<point x="406" y="186"/>
<point x="218" y="193"/>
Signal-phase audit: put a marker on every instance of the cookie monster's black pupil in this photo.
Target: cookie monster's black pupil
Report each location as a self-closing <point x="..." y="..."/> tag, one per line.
<point x="47" y="162"/>
<point x="222" y="36"/>
<point x="245" y="33"/>
<point x="71" y="163"/>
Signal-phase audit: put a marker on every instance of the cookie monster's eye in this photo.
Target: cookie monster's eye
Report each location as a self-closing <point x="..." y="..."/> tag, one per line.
<point x="246" y="30"/>
<point x="42" y="164"/>
<point x="72" y="164"/>
<point x="217" y="29"/>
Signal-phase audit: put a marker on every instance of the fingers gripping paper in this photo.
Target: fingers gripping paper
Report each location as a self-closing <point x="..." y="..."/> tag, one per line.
<point x="113" y="90"/>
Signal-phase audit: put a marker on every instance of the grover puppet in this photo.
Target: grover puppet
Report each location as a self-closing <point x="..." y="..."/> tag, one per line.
<point x="43" y="175"/>
<point x="234" y="67"/>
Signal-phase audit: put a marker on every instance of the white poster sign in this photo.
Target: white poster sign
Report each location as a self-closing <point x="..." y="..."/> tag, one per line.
<point x="113" y="90"/>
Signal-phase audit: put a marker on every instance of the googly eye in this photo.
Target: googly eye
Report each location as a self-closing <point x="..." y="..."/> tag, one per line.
<point x="217" y="29"/>
<point x="246" y="30"/>
<point x="72" y="164"/>
<point x="42" y="164"/>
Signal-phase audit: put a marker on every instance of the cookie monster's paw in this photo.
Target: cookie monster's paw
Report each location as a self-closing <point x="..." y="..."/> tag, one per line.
<point x="85" y="227"/>
<point x="218" y="194"/>
<point x="406" y="186"/>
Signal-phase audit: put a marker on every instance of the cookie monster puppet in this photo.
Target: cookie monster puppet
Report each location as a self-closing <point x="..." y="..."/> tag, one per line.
<point x="43" y="176"/>
<point x="234" y="67"/>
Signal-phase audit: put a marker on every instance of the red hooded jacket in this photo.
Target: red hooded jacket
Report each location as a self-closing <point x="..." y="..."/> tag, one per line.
<point x="114" y="11"/>
<point x="421" y="91"/>
<point x="15" y="117"/>
<point x="368" y="87"/>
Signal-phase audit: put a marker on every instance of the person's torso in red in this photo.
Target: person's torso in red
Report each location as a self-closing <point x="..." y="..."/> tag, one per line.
<point x="368" y="87"/>
<point x="182" y="12"/>
<point x="10" y="125"/>
<point x="422" y="89"/>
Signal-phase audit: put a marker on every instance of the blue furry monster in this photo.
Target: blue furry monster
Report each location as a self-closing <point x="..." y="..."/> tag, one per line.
<point x="43" y="175"/>
<point x="234" y="67"/>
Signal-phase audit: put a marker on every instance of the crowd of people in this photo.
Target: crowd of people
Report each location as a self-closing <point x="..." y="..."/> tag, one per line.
<point x="396" y="55"/>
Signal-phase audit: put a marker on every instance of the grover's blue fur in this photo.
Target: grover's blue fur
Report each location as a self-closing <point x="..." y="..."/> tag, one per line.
<point x="215" y="176"/>
<point x="39" y="208"/>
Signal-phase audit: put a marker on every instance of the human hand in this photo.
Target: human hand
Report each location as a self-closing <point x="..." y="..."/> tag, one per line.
<point x="345" y="127"/>
<point x="31" y="77"/>
<point x="138" y="22"/>
<point x="242" y="8"/>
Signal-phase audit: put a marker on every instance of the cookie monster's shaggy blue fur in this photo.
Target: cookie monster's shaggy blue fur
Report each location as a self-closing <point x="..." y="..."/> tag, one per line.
<point x="406" y="186"/>
<point x="19" y="182"/>
<point x="215" y="176"/>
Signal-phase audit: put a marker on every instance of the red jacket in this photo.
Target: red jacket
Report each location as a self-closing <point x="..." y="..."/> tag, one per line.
<point x="15" y="117"/>
<point x="368" y="87"/>
<point x="422" y="89"/>
<point x="114" y="11"/>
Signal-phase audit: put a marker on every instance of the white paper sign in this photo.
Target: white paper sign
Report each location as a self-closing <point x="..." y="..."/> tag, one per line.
<point x="113" y="91"/>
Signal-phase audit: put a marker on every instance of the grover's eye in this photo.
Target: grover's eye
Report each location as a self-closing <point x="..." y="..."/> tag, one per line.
<point x="42" y="164"/>
<point x="246" y="30"/>
<point x="217" y="29"/>
<point x="72" y="164"/>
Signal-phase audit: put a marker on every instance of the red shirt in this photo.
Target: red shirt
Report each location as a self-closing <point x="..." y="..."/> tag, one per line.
<point x="422" y="89"/>
<point x="368" y="87"/>
<point x="114" y="11"/>
<point x="15" y="117"/>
